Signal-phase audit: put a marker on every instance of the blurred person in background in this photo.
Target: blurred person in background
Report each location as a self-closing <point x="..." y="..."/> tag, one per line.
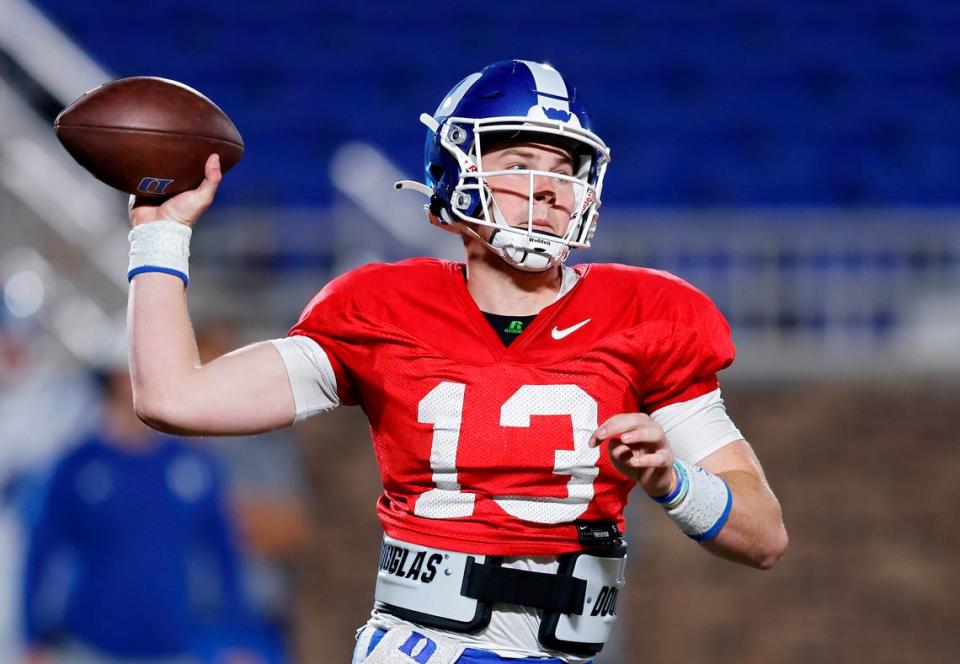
<point x="489" y="386"/>
<point x="12" y="355"/>
<point x="132" y="556"/>
<point x="45" y="398"/>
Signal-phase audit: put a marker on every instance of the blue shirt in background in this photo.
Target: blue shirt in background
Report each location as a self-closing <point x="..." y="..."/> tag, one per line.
<point x="137" y="526"/>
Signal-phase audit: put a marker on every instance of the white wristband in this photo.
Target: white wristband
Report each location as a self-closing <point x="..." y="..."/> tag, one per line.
<point x="706" y="506"/>
<point x="160" y="246"/>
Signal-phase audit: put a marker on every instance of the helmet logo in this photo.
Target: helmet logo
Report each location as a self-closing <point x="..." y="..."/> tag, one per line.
<point x="556" y="114"/>
<point x="549" y="109"/>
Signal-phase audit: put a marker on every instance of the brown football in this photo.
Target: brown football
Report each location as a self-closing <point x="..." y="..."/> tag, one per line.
<point x="148" y="136"/>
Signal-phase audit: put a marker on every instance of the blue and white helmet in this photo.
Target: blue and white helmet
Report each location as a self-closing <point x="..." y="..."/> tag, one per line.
<point x="529" y="101"/>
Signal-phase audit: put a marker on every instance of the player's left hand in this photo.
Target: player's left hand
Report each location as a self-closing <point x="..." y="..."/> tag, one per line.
<point x="638" y="449"/>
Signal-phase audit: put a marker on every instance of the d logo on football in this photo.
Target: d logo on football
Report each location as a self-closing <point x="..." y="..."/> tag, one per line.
<point x="150" y="185"/>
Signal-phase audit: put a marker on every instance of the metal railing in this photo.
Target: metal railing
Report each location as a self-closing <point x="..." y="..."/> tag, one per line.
<point x="817" y="292"/>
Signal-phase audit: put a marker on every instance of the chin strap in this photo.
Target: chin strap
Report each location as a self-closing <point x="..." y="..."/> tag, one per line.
<point x="531" y="253"/>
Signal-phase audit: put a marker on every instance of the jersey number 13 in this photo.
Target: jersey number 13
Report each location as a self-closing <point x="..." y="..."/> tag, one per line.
<point x="443" y="408"/>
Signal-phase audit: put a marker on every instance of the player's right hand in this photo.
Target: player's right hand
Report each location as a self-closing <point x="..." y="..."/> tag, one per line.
<point x="185" y="208"/>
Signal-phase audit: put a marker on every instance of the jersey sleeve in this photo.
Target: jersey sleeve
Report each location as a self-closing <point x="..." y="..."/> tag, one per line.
<point x="697" y="428"/>
<point x="310" y="374"/>
<point x="693" y="345"/>
<point x="324" y="321"/>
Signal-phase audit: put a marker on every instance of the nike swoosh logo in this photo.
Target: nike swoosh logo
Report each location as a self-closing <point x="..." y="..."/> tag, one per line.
<point x="559" y="334"/>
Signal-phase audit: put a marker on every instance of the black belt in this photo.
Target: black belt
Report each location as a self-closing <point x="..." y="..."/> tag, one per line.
<point x="550" y="592"/>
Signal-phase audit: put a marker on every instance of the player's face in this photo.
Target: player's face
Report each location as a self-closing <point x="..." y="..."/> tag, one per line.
<point x="553" y="199"/>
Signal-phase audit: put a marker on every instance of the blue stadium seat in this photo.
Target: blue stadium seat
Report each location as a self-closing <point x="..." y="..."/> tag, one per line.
<point x="747" y="102"/>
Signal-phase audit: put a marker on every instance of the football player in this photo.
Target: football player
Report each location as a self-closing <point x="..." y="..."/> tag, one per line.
<point x="514" y="402"/>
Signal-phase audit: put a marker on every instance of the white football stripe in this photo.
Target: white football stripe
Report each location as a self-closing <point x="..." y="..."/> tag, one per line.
<point x="451" y="100"/>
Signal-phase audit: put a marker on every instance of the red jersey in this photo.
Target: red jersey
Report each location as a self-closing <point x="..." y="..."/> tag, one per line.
<point x="483" y="448"/>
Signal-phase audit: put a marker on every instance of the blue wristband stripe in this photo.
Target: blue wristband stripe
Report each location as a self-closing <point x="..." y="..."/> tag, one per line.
<point x="156" y="268"/>
<point x="682" y="482"/>
<point x="715" y="528"/>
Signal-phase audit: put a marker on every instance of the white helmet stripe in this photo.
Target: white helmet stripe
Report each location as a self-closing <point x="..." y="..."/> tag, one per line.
<point x="453" y="98"/>
<point x="549" y="82"/>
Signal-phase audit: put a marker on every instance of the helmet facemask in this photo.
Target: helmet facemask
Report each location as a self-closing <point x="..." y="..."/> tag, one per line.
<point x="473" y="203"/>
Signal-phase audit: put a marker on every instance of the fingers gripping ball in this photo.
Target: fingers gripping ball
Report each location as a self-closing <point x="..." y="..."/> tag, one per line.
<point x="148" y="136"/>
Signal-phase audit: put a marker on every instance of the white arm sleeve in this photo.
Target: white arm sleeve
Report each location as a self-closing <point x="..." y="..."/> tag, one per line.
<point x="310" y="373"/>
<point x="698" y="427"/>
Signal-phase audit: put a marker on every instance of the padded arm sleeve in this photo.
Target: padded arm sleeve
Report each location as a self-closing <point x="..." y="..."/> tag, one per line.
<point x="698" y="427"/>
<point x="310" y="373"/>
